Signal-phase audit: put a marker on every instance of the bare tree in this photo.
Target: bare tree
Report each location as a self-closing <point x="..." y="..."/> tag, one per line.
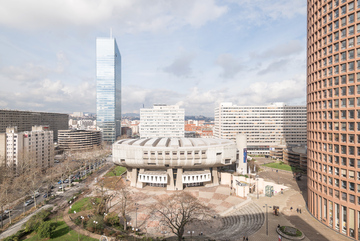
<point x="124" y="196"/>
<point x="6" y="188"/>
<point x="179" y="210"/>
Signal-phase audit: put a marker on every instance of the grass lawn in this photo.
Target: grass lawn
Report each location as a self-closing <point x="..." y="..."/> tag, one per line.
<point x="81" y="205"/>
<point x="281" y="166"/>
<point x="118" y="171"/>
<point x="62" y="232"/>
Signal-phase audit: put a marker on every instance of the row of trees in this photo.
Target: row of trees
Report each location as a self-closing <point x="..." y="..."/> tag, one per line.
<point x="27" y="178"/>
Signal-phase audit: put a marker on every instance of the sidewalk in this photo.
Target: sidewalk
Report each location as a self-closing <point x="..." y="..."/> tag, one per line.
<point x="76" y="228"/>
<point x="312" y="228"/>
<point x="16" y="227"/>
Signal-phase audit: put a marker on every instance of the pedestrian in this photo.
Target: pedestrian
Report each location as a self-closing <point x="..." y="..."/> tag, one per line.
<point x="297" y="210"/>
<point x="300" y="210"/>
<point x="290" y="208"/>
<point x="246" y="239"/>
<point x="243" y="238"/>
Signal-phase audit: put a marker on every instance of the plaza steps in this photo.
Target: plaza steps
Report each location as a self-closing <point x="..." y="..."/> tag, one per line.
<point x="244" y="221"/>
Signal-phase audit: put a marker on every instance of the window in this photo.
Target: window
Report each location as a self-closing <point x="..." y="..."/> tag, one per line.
<point x="351" y="30"/>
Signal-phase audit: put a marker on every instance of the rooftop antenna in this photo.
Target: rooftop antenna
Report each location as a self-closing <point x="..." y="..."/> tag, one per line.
<point x="110" y="32"/>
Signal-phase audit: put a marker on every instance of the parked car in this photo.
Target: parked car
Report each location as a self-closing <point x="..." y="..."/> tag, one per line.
<point x="2" y="217"/>
<point x="59" y="182"/>
<point x="45" y="195"/>
<point x="28" y="202"/>
<point x="37" y="194"/>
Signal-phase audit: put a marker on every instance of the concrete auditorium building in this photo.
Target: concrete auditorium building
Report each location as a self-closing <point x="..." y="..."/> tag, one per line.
<point x="175" y="163"/>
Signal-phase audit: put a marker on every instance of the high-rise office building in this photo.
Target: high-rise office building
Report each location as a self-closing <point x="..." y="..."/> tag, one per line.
<point x="108" y="88"/>
<point x="333" y="101"/>
<point x="24" y="120"/>
<point x="264" y="126"/>
<point x="162" y="121"/>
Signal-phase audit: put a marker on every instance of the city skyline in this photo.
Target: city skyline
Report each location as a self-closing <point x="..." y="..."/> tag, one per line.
<point x="195" y="54"/>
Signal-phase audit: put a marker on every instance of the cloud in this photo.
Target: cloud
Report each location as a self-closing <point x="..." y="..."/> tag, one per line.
<point x="260" y="11"/>
<point x="282" y="50"/>
<point x="132" y="15"/>
<point x="53" y="96"/>
<point x="134" y="97"/>
<point x="229" y="65"/>
<point x="181" y="66"/>
<point x="275" y="66"/>
<point x="280" y="91"/>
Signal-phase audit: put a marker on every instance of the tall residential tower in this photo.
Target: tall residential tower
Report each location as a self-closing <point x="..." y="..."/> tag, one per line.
<point x="333" y="103"/>
<point x="108" y="88"/>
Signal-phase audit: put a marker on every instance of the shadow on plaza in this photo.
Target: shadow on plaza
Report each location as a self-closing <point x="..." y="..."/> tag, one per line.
<point x="308" y="230"/>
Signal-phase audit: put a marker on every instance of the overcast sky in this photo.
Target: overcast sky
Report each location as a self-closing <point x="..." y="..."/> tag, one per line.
<point x="195" y="53"/>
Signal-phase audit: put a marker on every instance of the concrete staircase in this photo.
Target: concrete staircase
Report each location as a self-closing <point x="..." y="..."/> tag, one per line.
<point x="244" y="221"/>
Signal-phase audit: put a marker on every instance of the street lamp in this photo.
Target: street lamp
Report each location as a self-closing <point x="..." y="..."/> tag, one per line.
<point x="267" y="219"/>
<point x="257" y="186"/>
<point x="95" y="222"/>
<point x="137" y="207"/>
<point x="191" y="233"/>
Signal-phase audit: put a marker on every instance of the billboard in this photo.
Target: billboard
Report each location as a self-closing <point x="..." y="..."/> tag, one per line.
<point x="245" y="155"/>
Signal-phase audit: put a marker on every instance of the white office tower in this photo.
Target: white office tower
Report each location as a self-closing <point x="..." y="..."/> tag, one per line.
<point x="241" y="162"/>
<point x="264" y="126"/>
<point x="162" y="121"/>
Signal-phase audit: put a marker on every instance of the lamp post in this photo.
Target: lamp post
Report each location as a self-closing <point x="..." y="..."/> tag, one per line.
<point x="96" y="222"/>
<point x="257" y="186"/>
<point x="136" y="208"/>
<point x="267" y="219"/>
<point x="191" y="233"/>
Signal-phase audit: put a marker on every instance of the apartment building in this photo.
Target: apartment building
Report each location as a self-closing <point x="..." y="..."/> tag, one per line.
<point x="33" y="148"/>
<point x="79" y="140"/>
<point x="264" y="126"/>
<point x="24" y="120"/>
<point x="162" y="121"/>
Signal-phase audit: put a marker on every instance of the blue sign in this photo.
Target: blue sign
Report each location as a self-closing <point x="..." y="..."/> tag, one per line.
<point x="245" y="155"/>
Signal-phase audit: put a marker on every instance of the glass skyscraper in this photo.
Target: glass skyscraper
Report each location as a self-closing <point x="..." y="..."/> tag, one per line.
<point x="108" y="88"/>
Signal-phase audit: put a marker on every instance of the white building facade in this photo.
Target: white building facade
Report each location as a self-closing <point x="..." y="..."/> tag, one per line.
<point x="33" y="148"/>
<point x="173" y="163"/>
<point x="263" y="125"/>
<point x="162" y="121"/>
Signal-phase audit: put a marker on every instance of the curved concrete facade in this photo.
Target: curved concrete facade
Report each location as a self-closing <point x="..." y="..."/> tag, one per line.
<point x="173" y="162"/>
<point x="333" y="102"/>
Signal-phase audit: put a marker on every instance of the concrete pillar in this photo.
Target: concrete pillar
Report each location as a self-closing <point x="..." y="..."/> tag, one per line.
<point x="215" y="176"/>
<point x="133" y="177"/>
<point x="179" y="183"/>
<point x="138" y="183"/>
<point x="128" y="173"/>
<point x="241" y="144"/>
<point x="170" y="181"/>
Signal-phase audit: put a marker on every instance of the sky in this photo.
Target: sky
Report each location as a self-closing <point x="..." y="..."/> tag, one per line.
<point x="193" y="53"/>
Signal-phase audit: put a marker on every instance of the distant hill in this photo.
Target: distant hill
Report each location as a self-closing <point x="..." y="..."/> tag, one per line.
<point x="199" y="117"/>
<point x="130" y="115"/>
<point x="135" y="116"/>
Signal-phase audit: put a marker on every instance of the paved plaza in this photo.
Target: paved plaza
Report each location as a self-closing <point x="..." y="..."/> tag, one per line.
<point x="237" y="217"/>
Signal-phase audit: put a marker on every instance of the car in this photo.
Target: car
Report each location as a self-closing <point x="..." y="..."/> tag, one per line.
<point x="66" y="181"/>
<point x="28" y="202"/>
<point x="60" y="187"/>
<point x="7" y="211"/>
<point x="59" y="182"/>
<point x="37" y="194"/>
<point x="45" y="195"/>
<point x="2" y="217"/>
